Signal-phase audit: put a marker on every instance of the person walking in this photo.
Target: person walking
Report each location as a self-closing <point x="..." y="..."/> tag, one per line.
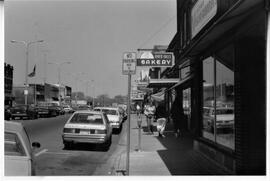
<point x="149" y="113"/>
<point x="177" y="115"/>
<point x="161" y="119"/>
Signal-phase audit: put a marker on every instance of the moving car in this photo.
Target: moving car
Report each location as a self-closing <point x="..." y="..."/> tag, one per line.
<point x="114" y="116"/>
<point x="19" y="158"/>
<point x="224" y="118"/>
<point x="24" y="111"/>
<point x="68" y="109"/>
<point x="87" y="127"/>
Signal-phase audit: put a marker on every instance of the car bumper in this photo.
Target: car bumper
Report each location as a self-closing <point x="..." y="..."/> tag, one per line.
<point x="84" y="138"/>
<point x="19" y="115"/>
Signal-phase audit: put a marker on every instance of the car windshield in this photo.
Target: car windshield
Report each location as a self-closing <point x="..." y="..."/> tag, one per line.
<point x="224" y="111"/>
<point x="86" y="118"/>
<point x="109" y="111"/>
<point x="20" y="107"/>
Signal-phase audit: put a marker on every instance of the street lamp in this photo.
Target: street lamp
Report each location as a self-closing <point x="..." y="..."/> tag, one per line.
<point x="76" y="83"/>
<point x="26" y="44"/>
<point x="59" y="77"/>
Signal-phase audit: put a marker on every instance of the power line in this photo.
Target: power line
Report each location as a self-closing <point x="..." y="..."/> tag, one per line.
<point x="154" y="34"/>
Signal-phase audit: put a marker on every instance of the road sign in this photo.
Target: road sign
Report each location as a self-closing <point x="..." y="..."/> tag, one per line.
<point x="129" y="63"/>
<point x="159" y="60"/>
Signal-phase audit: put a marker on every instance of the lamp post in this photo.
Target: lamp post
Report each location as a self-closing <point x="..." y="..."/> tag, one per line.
<point x="59" y="77"/>
<point x="26" y="44"/>
<point x="93" y="102"/>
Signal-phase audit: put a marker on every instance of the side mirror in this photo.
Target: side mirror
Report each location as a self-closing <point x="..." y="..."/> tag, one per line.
<point x="36" y="145"/>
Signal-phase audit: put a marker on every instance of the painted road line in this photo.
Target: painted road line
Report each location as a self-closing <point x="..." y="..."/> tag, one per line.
<point x="58" y="153"/>
<point x="41" y="152"/>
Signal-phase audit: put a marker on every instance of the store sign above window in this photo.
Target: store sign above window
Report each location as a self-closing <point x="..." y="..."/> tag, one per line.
<point x="157" y="60"/>
<point x="202" y="12"/>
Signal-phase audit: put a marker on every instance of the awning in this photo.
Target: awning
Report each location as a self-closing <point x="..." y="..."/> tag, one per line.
<point x="181" y="82"/>
<point x="159" y="96"/>
<point x="159" y="83"/>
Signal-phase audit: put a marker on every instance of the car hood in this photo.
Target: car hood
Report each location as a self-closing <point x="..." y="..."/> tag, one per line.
<point x="85" y="126"/>
<point x="225" y="117"/>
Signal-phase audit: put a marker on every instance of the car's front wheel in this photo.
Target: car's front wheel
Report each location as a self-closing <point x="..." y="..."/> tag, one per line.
<point x="67" y="145"/>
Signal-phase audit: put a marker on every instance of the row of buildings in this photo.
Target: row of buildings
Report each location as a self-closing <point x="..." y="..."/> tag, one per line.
<point x="220" y="63"/>
<point x="36" y="92"/>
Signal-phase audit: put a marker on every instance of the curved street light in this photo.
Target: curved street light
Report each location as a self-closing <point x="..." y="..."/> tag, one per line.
<point x="26" y="44"/>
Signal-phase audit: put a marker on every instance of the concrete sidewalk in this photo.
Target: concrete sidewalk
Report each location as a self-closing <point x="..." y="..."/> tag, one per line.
<point x="163" y="156"/>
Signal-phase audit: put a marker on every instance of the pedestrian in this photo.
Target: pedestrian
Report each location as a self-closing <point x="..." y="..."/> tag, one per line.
<point x="177" y="115"/>
<point x="149" y="113"/>
<point x="161" y="119"/>
<point x="138" y="109"/>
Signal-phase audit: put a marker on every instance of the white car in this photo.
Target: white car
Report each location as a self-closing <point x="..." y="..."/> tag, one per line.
<point x="19" y="158"/>
<point x="87" y="127"/>
<point x="224" y="118"/>
<point x="68" y="109"/>
<point x="114" y="116"/>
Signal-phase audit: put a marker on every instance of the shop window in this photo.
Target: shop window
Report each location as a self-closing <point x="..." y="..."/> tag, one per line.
<point x="218" y="102"/>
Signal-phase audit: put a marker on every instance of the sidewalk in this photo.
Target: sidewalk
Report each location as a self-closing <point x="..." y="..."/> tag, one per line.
<point x="163" y="156"/>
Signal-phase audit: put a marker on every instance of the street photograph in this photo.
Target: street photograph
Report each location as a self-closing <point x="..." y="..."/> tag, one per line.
<point x="153" y="88"/>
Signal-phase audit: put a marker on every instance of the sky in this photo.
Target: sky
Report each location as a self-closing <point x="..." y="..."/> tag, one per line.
<point x="92" y="35"/>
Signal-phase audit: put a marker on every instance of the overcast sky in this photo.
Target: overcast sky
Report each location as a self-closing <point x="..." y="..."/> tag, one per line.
<point x="92" y="35"/>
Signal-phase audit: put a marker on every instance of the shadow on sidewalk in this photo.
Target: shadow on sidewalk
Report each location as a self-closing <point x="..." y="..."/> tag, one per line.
<point x="180" y="158"/>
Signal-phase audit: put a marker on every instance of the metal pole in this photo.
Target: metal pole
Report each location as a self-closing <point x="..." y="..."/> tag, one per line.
<point x="128" y="125"/>
<point x="93" y="102"/>
<point x="59" y="89"/>
<point x="26" y="74"/>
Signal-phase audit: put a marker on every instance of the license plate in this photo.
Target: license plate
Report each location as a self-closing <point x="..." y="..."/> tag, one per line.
<point x="18" y="112"/>
<point x="85" y="132"/>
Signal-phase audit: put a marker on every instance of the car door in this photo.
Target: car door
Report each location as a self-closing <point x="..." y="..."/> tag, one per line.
<point x="17" y="158"/>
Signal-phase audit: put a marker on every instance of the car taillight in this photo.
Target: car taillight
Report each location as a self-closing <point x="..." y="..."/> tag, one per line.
<point x="100" y="131"/>
<point x="69" y="130"/>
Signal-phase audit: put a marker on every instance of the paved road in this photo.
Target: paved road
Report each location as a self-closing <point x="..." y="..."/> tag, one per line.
<point x="53" y="160"/>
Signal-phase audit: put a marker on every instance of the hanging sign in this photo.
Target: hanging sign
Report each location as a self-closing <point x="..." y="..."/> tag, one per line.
<point x="158" y="60"/>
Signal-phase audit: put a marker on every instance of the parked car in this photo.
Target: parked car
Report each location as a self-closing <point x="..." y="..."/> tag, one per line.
<point x="43" y="111"/>
<point x="24" y="111"/>
<point x="19" y="158"/>
<point x="68" y="109"/>
<point x="224" y="118"/>
<point x="114" y="116"/>
<point x="84" y="107"/>
<point x="87" y="127"/>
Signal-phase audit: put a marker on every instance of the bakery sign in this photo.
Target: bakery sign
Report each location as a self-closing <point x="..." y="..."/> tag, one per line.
<point x="157" y="60"/>
<point x="202" y="12"/>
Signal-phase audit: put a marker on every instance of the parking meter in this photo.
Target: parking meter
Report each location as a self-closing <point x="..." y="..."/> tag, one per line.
<point x="139" y="122"/>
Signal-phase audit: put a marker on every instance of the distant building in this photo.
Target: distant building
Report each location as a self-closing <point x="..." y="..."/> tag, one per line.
<point x="8" y="69"/>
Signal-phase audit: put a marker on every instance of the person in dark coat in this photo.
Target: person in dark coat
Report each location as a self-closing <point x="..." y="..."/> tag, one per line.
<point x="177" y="115"/>
<point x="160" y="116"/>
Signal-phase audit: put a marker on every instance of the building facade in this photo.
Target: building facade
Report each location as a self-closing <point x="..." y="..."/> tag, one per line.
<point x="220" y="58"/>
<point x="8" y="82"/>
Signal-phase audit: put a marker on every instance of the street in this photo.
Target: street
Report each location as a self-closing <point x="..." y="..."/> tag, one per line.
<point x="53" y="160"/>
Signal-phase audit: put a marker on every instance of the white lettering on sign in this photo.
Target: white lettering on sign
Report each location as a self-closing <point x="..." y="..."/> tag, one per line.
<point x="129" y="63"/>
<point x="202" y="12"/>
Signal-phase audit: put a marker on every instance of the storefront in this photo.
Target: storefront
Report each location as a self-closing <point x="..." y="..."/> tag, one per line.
<point x="224" y="94"/>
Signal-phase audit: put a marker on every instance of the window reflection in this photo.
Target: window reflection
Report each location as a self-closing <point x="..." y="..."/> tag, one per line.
<point x="218" y="102"/>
